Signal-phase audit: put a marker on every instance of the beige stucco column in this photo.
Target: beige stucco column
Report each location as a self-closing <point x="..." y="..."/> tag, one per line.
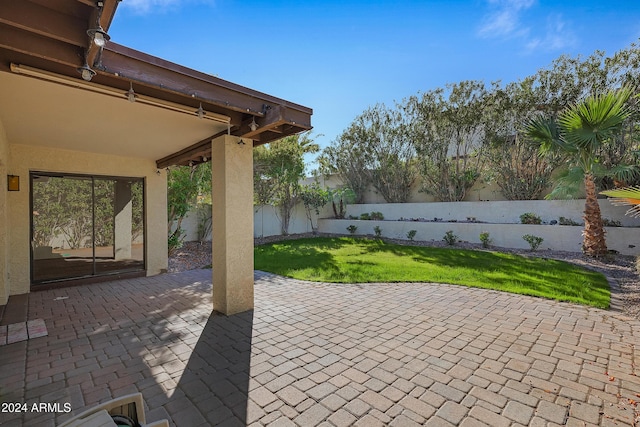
<point x="122" y="222"/>
<point x="232" y="224"/>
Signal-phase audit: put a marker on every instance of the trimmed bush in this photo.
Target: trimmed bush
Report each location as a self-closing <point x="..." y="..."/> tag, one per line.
<point x="533" y="241"/>
<point x="450" y="238"/>
<point x="530" y="218"/>
<point x="485" y="239"/>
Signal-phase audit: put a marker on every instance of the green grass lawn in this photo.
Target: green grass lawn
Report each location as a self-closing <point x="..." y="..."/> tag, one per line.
<point x="353" y="260"/>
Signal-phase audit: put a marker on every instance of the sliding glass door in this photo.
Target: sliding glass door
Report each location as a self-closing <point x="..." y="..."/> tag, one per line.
<point x="83" y="226"/>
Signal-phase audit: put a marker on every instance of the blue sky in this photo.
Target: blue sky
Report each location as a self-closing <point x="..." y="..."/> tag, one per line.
<point x="339" y="57"/>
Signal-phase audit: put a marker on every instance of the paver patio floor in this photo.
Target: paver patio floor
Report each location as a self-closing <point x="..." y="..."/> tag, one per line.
<point x="325" y="354"/>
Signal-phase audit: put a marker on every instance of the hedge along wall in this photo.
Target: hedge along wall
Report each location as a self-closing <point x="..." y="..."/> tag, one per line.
<point x="480" y="191"/>
<point x="500" y="219"/>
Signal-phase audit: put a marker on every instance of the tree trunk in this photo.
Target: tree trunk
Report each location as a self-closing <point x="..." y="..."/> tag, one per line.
<point x="594" y="243"/>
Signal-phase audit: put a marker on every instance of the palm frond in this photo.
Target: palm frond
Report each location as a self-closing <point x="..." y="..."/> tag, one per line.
<point x="568" y="184"/>
<point x="592" y="122"/>
<point x="624" y="173"/>
<point x="545" y="132"/>
<point x="629" y="196"/>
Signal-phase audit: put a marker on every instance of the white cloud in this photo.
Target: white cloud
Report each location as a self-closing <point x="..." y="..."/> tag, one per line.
<point x="158" y="6"/>
<point x="504" y="18"/>
<point x="557" y="36"/>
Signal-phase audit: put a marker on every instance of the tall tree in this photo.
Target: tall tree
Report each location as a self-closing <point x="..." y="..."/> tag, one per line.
<point x="569" y="81"/>
<point x="580" y="132"/>
<point x="278" y="169"/>
<point x="375" y="149"/>
<point x="512" y="159"/>
<point x="448" y="128"/>
<point x="388" y="150"/>
<point x="184" y="185"/>
<point x="349" y="162"/>
<point x="314" y="198"/>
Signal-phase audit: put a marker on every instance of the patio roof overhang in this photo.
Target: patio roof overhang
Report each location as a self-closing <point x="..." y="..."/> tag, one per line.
<point x="46" y="41"/>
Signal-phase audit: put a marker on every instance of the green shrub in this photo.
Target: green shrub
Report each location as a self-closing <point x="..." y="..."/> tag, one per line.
<point x="378" y="231"/>
<point x="533" y="241"/>
<point x="611" y="222"/>
<point x="365" y="216"/>
<point x="352" y="229"/>
<point x="175" y="240"/>
<point x="485" y="239"/>
<point x="411" y="234"/>
<point x="450" y="238"/>
<point x="530" y="218"/>
<point x="377" y="216"/>
<point x="567" y="221"/>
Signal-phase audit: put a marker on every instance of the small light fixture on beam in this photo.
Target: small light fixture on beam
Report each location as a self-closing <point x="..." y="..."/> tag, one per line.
<point x="13" y="183"/>
<point x="241" y="142"/>
<point x="86" y="72"/>
<point x="253" y="125"/>
<point x="131" y="95"/>
<point x="190" y="163"/>
<point x="98" y="35"/>
<point x="200" y="112"/>
<point x="204" y="158"/>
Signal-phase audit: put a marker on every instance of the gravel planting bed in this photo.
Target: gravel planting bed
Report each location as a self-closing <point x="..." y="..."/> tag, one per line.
<point x="620" y="268"/>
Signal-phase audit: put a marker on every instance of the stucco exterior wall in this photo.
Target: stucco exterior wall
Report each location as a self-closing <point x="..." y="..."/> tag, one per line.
<point x="266" y="222"/>
<point x="26" y="158"/>
<point x="500" y="218"/>
<point x="4" y="229"/>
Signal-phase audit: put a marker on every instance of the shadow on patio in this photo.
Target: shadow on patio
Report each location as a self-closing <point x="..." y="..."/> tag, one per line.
<point x="216" y="378"/>
<point x="155" y="335"/>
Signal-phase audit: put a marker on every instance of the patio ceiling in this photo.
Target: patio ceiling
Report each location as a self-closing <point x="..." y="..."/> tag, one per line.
<point x="44" y="42"/>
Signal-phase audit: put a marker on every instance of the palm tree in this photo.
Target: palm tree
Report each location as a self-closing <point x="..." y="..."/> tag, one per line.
<point x="579" y="132"/>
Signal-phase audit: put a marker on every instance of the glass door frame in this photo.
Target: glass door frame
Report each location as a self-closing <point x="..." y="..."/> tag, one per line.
<point x="95" y="273"/>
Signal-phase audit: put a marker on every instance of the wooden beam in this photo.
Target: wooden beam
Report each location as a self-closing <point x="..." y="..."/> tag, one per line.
<point x="88" y="2"/>
<point x="272" y="124"/>
<point x="191" y="153"/>
<point x="108" y="12"/>
<point x="40" y="47"/>
<point x="272" y="135"/>
<point x="43" y="21"/>
<point x="273" y="118"/>
<point x="184" y="81"/>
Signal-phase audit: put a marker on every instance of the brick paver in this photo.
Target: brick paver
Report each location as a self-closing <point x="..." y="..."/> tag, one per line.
<point x="322" y="354"/>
